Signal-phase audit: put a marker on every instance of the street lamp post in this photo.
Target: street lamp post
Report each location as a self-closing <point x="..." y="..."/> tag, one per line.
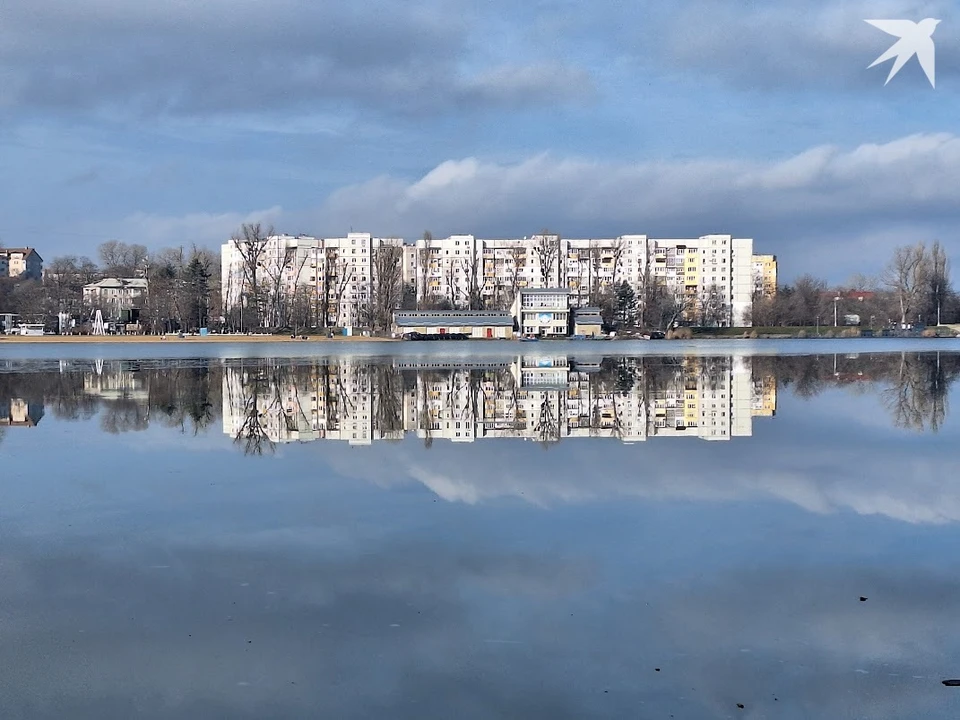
<point x="835" y="301"/>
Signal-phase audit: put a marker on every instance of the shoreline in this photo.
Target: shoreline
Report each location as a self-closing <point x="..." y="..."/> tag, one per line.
<point x="260" y="339"/>
<point x="173" y="339"/>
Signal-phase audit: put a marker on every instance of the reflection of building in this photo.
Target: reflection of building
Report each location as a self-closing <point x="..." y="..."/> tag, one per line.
<point x="116" y="382"/>
<point x="764" y="403"/>
<point x="544" y="399"/>
<point x="18" y="412"/>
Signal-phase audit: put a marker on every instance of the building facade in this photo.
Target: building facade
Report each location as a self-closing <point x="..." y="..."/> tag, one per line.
<point x="765" y="275"/>
<point x="543" y="312"/>
<point x="712" y="277"/>
<point x="478" y="324"/>
<point x="113" y="296"/>
<point x="23" y="262"/>
<point x="335" y="277"/>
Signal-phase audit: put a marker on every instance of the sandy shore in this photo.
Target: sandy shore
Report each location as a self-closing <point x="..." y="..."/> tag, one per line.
<point x="112" y="339"/>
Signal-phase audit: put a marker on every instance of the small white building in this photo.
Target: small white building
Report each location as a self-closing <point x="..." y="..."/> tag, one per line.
<point x="544" y="312"/>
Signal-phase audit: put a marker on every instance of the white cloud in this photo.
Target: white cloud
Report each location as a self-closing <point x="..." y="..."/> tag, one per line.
<point x="823" y="196"/>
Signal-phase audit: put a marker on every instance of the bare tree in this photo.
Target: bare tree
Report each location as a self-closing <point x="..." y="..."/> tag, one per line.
<point x="278" y="272"/>
<point x="712" y="308"/>
<point x="337" y="274"/>
<point x="518" y="260"/>
<point x="547" y="250"/>
<point x="615" y="253"/>
<point x="386" y="286"/>
<point x="424" y="256"/>
<point x="907" y="276"/>
<point x="476" y="282"/>
<point x="251" y="243"/>
<point x="120" y="259"/>
<point x="938" y="280"/>
<point x="862" y="283"/>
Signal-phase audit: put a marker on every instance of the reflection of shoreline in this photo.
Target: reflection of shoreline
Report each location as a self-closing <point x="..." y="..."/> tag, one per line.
<point x="542" y="399"/>
<point x="489" y="394"/>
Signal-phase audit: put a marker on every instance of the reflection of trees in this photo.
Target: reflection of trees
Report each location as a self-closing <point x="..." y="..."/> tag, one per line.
<point x="258" y="394"/>
<point x="272" y="397"/>
<point x="917" y="399"/>
<point x="914" y="386"/>
<point x="547" y="428"/>
<point x="387" y="385"/>
<point x="124" y="415"/>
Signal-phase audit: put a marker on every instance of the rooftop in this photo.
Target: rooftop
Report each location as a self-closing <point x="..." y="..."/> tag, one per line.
<point x="24" y="250"/>
<point x="138" y="283"/>
<point x="463" y="318"/>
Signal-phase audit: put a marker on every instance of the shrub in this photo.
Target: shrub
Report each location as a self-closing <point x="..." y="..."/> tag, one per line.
<point x="802" y="334"/>
<point x="929" y="332"/>
<point x="850" y="333"/>
<point x="829" y="334"/>
<point x="683" y="333"/>
<point x="753" y="335"/>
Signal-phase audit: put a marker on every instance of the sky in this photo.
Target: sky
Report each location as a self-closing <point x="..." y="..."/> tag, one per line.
<point x="171" y="123"/>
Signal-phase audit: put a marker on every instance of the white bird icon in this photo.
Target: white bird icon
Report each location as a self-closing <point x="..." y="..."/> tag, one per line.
<point x="915" y="39"/>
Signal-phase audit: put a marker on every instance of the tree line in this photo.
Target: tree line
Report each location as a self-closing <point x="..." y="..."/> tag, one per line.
<point x="184" y="286"/>
<point x="913" y="287"/>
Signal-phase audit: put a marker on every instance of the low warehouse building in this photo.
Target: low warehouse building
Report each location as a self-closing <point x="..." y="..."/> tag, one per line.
<point x="587" y="322"/>
<point x="475" y="323"/>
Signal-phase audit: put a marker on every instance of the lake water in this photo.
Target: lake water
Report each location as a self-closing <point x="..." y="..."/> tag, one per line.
<point x="515" y="531"/>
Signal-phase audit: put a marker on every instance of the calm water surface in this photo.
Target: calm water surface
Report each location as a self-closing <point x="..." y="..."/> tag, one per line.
<point x="553" y="534"/>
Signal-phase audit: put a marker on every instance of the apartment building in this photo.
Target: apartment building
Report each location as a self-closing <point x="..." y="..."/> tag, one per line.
<point x="21" y="262"/>
<point x="712" y="276"/>
<point x="712" y="268"/>
<point x="114" y="295"/>
<point x="765" y="275"/>
<point x="336" y="274"/>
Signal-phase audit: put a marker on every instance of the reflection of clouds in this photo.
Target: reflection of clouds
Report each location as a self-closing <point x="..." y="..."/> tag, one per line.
<point x="841" y="467"/>
<point x="433" y="629"/>
<point x="287" y="634"/>
<point x="801" y="633"/>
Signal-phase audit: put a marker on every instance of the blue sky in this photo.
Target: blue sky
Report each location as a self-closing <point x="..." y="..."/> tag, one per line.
<point x="168" y="123"/>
